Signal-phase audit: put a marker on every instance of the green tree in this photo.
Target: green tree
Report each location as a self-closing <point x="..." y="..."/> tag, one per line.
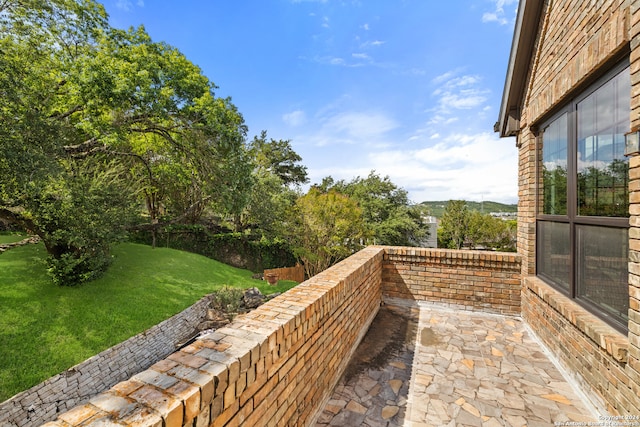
<point x="277" y="174"/>
<point x="129" y="114"/>
<point x="387" y="213"/>
<point x="325" y="228"/>
<point x="278" y="158"/>
<point x="452" y="231"/>
<point x="461" y="227"/>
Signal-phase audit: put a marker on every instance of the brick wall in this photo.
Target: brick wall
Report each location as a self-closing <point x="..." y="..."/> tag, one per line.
<point x="276" y="365"/>
<point x="632" y="368"/>
<point x="594" y="353"/>
<point x="62" y="392"/>
<point x="288" y="273"/>
<point x="478" y="280"/>
<point x="576" y="38"/>
<point x="576" y="43"/>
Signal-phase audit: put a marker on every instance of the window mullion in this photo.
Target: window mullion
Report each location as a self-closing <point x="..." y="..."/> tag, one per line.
<point x="572" y="190"/>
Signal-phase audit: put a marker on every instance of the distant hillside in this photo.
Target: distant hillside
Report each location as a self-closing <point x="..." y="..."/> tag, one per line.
<point x="437" y="208"/>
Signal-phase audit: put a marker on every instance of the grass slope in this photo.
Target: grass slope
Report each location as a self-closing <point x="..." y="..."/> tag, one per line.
<point x="45" y="329"/>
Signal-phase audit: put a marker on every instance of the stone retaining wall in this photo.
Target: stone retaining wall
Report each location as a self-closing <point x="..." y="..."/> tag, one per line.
<point x="75" y="386"/>
<point x="470" y="280"/>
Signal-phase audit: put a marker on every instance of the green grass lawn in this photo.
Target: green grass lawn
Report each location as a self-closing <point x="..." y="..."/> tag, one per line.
<point x="45" y="329"/>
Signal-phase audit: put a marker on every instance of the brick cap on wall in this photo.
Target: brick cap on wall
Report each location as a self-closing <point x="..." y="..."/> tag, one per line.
<point x="609" y="339"/>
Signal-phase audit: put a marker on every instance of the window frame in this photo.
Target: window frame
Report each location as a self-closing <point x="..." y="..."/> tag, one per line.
<point x="570" y="108"/>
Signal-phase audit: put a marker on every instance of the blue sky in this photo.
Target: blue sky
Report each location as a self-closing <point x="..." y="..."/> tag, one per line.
<point x="408" y="88"/>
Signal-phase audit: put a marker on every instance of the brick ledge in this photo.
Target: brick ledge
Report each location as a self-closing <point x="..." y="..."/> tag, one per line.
<point x="608" y="338"/>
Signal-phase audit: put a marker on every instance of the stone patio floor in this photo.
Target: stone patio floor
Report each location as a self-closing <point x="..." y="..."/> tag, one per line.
<point x="457" y="368"/>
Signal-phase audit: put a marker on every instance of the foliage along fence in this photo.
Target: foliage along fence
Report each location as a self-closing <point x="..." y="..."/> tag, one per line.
<point x="236" y="249"/>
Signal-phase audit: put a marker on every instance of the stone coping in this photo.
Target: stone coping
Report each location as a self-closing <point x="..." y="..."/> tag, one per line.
<point x="607" y="337"/>
<point x="456" y="257"/>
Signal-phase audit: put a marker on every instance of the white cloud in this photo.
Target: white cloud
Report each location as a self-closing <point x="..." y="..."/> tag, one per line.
<point x="295" y="118"/>
<point x="440" y="119"/>
<point x="454" y="93"/>
<point x="498" y="14"/>
<point x="124" y="5"/>
<point x="365" y="27"/>
<point x="444" y="77"/>
<point x="358" y="60"/>
<point x="429" y="164"/>
<point x="127" y="5"/>
<point x="360" y="56"/>
<point x="357" y="126"/>
<point x="416" y="72"/>
<point x="350" y="128"/>
<point x="374" y="43"/>
<point x="463" y="100"/>
<point x="461" y="166"/>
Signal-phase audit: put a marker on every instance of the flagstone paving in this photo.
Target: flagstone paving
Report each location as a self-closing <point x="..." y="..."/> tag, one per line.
<point x="459" y="368"/>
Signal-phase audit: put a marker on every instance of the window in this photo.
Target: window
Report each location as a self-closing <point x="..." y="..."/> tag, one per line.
<point x="582" y="222"/>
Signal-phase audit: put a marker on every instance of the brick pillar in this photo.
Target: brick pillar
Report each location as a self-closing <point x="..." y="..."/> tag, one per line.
<point x="633" y="365"/>
<point x="527" y="200"/>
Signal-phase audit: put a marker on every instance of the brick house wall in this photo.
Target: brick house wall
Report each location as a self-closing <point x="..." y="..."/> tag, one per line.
<point x="575" y="42"/>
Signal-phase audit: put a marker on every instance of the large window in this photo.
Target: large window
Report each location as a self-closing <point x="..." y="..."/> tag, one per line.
<point x="582" y="228"/>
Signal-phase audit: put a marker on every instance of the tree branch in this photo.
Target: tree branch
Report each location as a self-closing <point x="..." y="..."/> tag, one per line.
<point x="176" y="220"/>
<point x="66" y="114"/>
<point x="18" y="219"/>
<point x="83" y="148"/>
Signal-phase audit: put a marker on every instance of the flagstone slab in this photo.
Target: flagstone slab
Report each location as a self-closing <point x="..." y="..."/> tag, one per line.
<point x="462" y="368"/>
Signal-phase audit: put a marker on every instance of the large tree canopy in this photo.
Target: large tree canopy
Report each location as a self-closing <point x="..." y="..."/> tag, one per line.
<point x="93" y="117"/>
<point x="325" y="228"/>
<point x="276" y="178"/>
<point x="386" y="209"/>
<point x="460" y="227"/>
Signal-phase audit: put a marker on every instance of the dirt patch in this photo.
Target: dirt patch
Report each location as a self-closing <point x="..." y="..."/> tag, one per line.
<point x="388" y="334"/>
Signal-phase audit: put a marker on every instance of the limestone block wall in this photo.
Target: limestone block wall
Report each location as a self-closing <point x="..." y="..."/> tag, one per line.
<point x="276" y="365"/>
<point x="472" y="280"/>
<point x="62" y="392"/>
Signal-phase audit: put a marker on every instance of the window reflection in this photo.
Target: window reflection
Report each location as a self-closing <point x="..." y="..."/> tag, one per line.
<point x="584" y="177"/>
<point x="553" y="247"/>
<point x="603" y="119"/>
<point x="554" y="167"/>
